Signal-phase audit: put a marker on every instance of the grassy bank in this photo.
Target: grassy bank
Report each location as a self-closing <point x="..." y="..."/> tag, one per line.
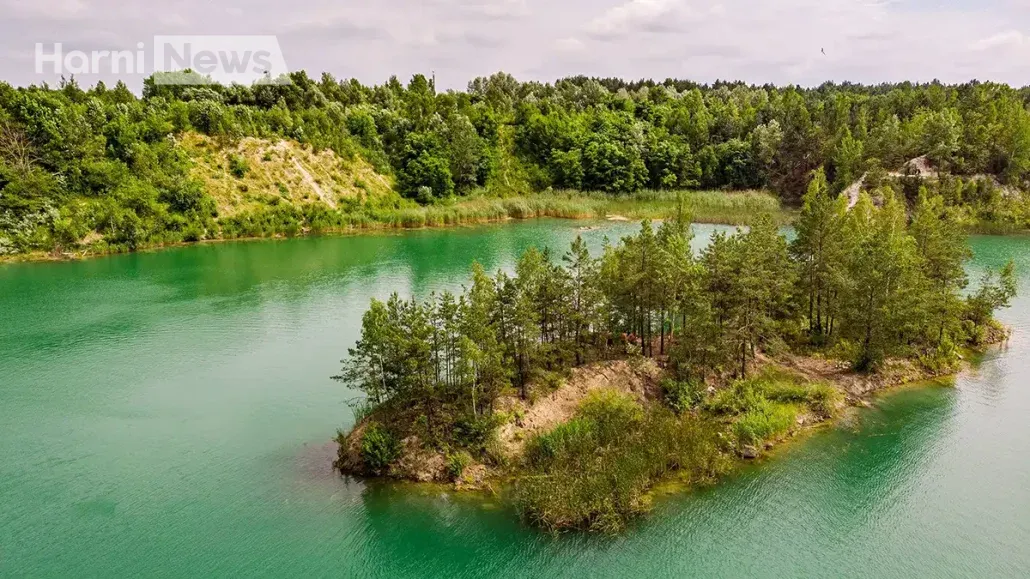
<point x="704" y="206"/>
<point x="283" y="219"/>
<point x="595" y="472"/>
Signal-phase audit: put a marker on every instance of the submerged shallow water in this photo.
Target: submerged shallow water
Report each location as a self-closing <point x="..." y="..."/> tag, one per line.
<point x="166" y="414"/>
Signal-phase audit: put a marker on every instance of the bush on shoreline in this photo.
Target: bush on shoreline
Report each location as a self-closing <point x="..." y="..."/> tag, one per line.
<point x="594" y="472"/>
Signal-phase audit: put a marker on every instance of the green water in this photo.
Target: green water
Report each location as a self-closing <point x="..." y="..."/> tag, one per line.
<point x="166" y="414"/>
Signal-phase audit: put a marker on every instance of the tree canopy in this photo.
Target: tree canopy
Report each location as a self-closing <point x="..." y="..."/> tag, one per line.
<point x="102" y="161"/>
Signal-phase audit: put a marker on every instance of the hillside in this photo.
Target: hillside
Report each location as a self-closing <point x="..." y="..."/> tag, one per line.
<point x="99" y="169"/>
<point x="252" y="174"/>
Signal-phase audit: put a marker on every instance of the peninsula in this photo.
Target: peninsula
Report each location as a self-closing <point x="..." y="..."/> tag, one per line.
<point x="575" y="387"/>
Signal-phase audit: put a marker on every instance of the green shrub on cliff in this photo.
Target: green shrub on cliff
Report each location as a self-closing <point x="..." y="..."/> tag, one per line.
<point x="379" y="448"/>
<point x="682" y="396"/>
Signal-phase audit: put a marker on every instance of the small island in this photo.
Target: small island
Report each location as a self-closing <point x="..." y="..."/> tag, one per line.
<point x="574" y="388"/>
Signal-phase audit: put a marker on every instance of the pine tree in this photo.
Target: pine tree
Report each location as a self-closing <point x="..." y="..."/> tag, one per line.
<point x="764" y="281"/>
<point x="584" y="295"/>
<point x="488" y="373"/>
<point x="677" y="275"/>
<point x="817" y="248"/>
<point x="847" y="161"/>
<point x="883" y="307"/>
<point x="942" y="247"/>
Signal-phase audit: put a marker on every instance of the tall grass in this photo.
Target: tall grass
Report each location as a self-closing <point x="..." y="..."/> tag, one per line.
<point x="736" y="208"/>
<point x="594" y="472"/>
<point x="702" y="206"/>
<point x="285" y="217"/>
<point x="766" y="406"/>
<point x="764" y="421"/>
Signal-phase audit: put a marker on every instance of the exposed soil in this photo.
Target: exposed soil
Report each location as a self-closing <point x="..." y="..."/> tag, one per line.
<point x="855" y="190"/>
<point x="855" y="385"/>
<point x="918" y="167"/>
<point x="922" y="168"/>
<point x="639" y="379"/>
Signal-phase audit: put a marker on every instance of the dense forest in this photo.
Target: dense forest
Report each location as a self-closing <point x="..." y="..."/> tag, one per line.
<point x="863" y="285"/>
<point x="105" y="166"/>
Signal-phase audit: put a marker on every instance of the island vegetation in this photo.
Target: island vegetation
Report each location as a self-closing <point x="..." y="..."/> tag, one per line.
<point x="100" y="169"/>
<point x="574" y="385"/>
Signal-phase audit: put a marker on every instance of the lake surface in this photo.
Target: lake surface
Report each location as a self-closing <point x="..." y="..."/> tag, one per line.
<point x="166" y="414"/>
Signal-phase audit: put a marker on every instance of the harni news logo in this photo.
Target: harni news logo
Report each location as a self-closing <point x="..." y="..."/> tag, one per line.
<point x="210" y="59"/>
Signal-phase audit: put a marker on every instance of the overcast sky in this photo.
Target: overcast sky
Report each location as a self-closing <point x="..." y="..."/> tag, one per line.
<point x="758" y="41"/>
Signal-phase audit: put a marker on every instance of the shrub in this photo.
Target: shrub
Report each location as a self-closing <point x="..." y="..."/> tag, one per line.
<point x="943" y="358"/>
<point x="594" y="472"/>
<point x="472" y="432"/>
<point x="362" y="409"/>
<point x="819" y="396"/>
<point x="752" y="394"/>
<point x="457" y="463"/>
<point x="764" y="422"/>
<point x="682" y="396"/>
<point x="379" y="447"/>
<point x="193" y="232"/>
<point x="611" y="413"/>
<point x="543" y="449"/>
<point x="845" y="350"/>
<point x="737" y="399"/>
<point x="238" y="166"/>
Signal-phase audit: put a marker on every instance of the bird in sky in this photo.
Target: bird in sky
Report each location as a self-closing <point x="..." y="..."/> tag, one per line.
<point x="824" y="52"/>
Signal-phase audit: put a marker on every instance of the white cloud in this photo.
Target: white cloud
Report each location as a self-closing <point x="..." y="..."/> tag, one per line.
<point x="1007" y="39"/>
<point x="634" y="17"/>
<point x="569" y="44"/>
<point x="56" y="9"/>
<point x="497" y="8"/>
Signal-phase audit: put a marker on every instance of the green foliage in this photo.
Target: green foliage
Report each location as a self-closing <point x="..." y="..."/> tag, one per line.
<point x="819" y="397"/>
<point x="593" y="472"/>
<point x="379" y="447"/>
<point x="544" y="449"/>
<point x="741" y="397"/>
<point x="474" y="431"/>
<point x="995" y="292"/>
<point x="943" y="358"/>
<point x="682" y="396"/>
<point x="94" y="156"/>
<point x="609" y="411"/>
<point x="423" y="166"/>
<point x="883" y="304"/>
<point x="754" y="395"/>
<point x="765" y="421"/>
<point x="238" y="166"/>
<point x="457" y="463"/>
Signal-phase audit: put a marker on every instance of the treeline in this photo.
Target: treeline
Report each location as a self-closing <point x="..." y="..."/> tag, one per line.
<point x="863" y="285"/>
<point x="103" y="162"/>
